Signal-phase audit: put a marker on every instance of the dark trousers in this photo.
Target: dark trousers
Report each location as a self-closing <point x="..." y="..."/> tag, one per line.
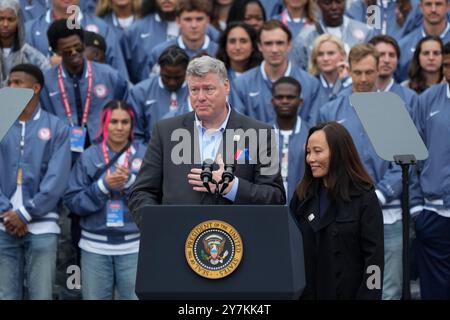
<point x="433" y="255"/>
<point x="75" y="231"/>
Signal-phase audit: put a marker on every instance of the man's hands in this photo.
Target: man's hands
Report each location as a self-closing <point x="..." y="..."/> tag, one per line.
<point x="55" y="60"/>
<point x="118" y="179"/>
<point x="13" y="224"/>
<point x="197" y="183"/>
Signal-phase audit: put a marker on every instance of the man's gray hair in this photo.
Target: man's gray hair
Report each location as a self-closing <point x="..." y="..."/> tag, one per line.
<point x="10" y="4"/>
<point x="203" y="65"/>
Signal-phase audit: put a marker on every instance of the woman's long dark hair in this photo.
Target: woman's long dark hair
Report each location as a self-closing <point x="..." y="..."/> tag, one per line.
<point x="346" y="170"/>
<point x="237" y="10"/>
<point x="215" y="14"/>
<point x="417" y="79"/>
<point x="105" y="118"/>
<point x="256" y="56"/>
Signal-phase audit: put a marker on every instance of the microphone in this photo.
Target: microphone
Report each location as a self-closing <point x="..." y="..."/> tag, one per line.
<point x="206" y="174"/>
<point x="227" y="176"/>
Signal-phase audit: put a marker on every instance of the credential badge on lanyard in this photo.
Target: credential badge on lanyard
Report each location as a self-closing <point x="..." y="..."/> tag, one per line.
<point x="77" y="133"/>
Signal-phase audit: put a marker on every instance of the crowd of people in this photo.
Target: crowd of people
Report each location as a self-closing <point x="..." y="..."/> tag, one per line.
<point x="105" y="74"/>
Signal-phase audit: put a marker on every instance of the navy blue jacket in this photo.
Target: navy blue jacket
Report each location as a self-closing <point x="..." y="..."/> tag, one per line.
<point x="142" y="37"/>
<point x="151" y="102"/>
<point x="252" y="95"/>
<point x="36" y="36"/>
<point x="87" y="196"/>
<point x="432" y="119"/>
<point x="45" y="163"/>
<point x="108" y="84"/>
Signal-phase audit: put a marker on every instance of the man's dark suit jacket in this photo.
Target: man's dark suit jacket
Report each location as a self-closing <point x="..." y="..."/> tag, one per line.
<point x="160" y="181"/>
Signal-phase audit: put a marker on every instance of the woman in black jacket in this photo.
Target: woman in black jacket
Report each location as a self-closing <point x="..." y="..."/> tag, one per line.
<point x="340" y="219"/>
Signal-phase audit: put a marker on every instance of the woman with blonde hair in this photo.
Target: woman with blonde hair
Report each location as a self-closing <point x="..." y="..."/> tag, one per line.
<point x="120" y="14"/>
<point x="328" y="64"/>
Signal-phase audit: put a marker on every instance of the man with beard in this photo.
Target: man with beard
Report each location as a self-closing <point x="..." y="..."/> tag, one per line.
<point x="157" y="25"/>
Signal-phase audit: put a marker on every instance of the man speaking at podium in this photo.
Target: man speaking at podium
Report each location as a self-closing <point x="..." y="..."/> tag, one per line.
<point x="172" y="170"/>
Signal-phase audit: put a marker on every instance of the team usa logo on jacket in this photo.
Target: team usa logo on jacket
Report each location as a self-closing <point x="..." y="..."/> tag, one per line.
<point x="100" y="90"/>
<point x="136" y="164"/>
<point x="92" y="28"/>
<point x="44" y="134"/>
<point x="214" y="249"/>
<point x="359" y="34"/>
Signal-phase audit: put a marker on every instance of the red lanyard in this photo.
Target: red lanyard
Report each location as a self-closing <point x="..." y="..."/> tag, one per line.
<point x="87" y="104"/>
<point x="106" y="156"/>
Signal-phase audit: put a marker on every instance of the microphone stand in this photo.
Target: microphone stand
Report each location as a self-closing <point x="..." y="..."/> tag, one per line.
<point x="216" y="193"/>
<point x="207" y="178"/>
<point x="405" y="161"/>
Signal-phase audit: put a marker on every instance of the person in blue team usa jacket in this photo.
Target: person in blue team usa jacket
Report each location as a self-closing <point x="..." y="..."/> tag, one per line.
<point x="435" y="23"/>
<point x="193" y="20"/>
<point x="78" y="89"/>
<point x="433" y="223"/>
<point x="34" y="158"/>
<point x="155" y="98"/>
<point x="291" y="131"/>
<point x="252" y="95"/>
<point x="13" y="48"/>
<point x="397" y="18"/>
<point x="36" y="32"/>
<point x="98" y="189"/>
<point x="33" y="9"/>
<point x="156" y="25"/>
